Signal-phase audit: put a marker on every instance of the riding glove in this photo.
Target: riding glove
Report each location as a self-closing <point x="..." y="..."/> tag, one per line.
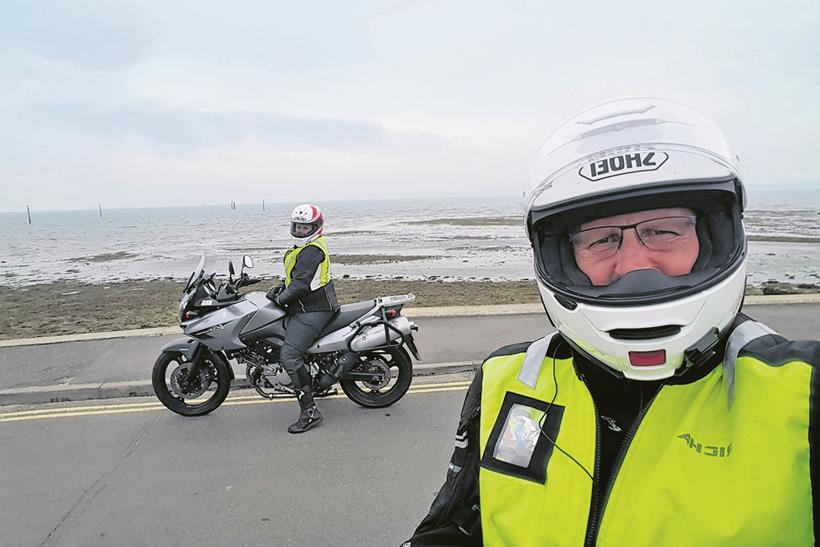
<point x="274" y="292"/>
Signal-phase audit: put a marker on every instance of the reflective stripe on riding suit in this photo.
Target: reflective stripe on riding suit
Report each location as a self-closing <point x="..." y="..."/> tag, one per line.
<point x="322" y="276"/>
<point x="695" y="472"/>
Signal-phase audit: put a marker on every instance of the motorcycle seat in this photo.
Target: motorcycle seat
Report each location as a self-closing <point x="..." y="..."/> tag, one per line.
<point x="347" y="314"/>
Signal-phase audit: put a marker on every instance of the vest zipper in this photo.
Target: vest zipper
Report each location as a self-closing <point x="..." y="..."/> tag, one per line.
<point x="593" y="509"/>
<point x="597" y="510"/>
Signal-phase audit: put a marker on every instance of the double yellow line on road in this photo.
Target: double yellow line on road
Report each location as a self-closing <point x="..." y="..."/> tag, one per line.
<point x="240" y="400"/>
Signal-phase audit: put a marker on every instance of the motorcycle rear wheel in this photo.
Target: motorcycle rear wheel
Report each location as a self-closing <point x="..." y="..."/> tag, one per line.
<point x="214" y="374"/>
<point x="373" y="396"/>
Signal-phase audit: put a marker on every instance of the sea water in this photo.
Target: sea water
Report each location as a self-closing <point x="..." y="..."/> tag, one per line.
<point x="447" y="239"/>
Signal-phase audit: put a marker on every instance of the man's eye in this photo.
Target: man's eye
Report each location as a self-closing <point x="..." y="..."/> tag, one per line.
<point x="659" y="232"/>
<point x="607" y="240"/>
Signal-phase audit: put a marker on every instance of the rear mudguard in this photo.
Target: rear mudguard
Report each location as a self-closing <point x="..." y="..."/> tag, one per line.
<point x="188" y="346"/>
<point x="411" y="345"/>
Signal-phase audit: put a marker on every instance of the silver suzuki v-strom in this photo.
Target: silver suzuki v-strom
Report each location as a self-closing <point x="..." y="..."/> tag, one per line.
<point x="363" y="346"/>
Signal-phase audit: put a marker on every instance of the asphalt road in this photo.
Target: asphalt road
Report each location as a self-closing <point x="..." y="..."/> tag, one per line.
<point x="128" y="472"/>
<point x="441" y="339"/>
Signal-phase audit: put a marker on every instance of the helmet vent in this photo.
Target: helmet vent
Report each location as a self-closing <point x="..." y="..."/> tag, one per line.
<point x="645" y="334"/>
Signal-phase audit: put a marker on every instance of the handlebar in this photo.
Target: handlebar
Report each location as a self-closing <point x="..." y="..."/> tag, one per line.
<point x="244" y="281"/>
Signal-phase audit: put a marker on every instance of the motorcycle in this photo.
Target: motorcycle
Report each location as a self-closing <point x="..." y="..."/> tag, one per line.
<point x="364" y="346"/>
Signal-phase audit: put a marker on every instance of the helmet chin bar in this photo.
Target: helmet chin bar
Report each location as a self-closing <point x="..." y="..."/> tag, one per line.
<point x="694" y="357"/>
<point x="700" y="320"/>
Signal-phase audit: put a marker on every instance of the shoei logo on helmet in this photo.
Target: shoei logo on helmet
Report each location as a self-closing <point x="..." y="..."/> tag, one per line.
<point x="623" y="164"/>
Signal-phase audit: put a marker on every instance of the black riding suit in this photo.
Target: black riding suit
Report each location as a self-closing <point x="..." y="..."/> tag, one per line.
<point x="309" y="312"/>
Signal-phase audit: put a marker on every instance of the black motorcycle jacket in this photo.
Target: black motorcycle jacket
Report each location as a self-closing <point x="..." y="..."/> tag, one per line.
<point x="298" y="297"/>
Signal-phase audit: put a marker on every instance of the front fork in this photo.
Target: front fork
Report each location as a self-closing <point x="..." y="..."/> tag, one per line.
<point x="197" y="361"/>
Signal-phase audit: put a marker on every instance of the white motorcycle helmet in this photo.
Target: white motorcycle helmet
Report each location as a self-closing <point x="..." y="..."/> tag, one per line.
<point x="625" y="156"/>
<point x="306" y="224"/>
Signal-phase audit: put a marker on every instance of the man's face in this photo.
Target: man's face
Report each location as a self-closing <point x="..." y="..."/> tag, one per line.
<point x="608" y="248"/>
<point x="302" y="229"/>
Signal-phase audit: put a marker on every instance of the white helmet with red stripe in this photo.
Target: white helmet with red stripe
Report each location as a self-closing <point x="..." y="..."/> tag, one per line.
<point x="623" y="157"/>
<point x="306" y="224"/>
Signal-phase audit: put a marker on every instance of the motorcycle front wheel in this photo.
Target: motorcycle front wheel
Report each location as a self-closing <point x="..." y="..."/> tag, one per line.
<point x="186" y="395"/>
<point x="392" y="373"/>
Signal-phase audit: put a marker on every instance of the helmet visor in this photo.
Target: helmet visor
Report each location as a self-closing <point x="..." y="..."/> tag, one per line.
<point x="639" y="248"/>
<point x="304" y="229"/>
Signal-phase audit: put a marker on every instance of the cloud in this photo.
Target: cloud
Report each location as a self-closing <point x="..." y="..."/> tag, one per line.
<point x="191" y="129"/>
<point x="92" y="35"/>
<point x="139" y="101"/>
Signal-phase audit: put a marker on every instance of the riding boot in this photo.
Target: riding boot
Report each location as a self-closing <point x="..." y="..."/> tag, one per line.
<point x="309" y="415"/>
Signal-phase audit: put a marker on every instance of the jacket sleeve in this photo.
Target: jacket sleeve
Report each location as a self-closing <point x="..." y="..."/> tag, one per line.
<point x="454" y="517"/>
<point x="307" y="261"/>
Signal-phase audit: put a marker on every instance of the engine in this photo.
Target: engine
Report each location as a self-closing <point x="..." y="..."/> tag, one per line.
<point x="263" y="370"/>
<point x="259" y="353"/>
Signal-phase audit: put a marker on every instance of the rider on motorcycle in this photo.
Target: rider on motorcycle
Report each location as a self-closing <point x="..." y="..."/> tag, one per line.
<point x="310" y="299"/>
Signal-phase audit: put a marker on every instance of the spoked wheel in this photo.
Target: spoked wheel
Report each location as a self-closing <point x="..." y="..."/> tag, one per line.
<point x="187" y="395"/>
<point x="392" y="372"/>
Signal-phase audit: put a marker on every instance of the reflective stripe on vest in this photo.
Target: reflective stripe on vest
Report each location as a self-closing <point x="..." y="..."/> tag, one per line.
<point x="322" y="276"/>
<point x="742" y="335"/>
<point x="695" y="473"/>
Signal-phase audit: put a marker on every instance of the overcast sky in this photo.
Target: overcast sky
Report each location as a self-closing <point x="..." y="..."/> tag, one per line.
<point x="173" y="103"/>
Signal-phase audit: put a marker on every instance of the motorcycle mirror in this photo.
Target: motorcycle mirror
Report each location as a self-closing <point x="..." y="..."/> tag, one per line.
<point x="230" y="268"/>
<point x="247" y="261"/>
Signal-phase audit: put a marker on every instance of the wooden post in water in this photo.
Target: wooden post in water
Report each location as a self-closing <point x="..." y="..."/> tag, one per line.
<point x="28" y="211"/>
<point x="100" y="208"/>
<point x="263" y="205"/>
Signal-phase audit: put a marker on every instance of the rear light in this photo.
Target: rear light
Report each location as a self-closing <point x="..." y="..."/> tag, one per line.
<point x="391" y="313"/>
<point x="647" y="358"/>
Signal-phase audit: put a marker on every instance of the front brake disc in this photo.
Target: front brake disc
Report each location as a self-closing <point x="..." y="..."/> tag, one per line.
<point x="189" y="388"/>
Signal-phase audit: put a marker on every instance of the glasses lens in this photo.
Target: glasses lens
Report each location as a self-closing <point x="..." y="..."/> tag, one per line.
<point x="662" y="233"/>
<point x="597" y="242"/>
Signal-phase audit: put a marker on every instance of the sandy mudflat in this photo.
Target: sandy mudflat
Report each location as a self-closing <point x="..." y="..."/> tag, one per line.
<point x="469" y="221"/>
<point x="378" y="259"/>
<point x="72" y="307"/>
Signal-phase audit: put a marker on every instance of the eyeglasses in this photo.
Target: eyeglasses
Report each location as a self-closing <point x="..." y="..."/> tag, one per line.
<point x="657" y="234"/>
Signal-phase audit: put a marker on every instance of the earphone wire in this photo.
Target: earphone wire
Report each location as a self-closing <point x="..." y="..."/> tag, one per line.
<point x="543" y="419"/>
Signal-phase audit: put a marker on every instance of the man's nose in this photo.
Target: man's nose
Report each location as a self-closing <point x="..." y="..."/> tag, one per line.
<point x="633" y="255"/>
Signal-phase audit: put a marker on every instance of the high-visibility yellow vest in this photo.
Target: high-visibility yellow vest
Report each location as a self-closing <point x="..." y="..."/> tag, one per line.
<point x="696" y="472"/>
<point x="322" y="276"/>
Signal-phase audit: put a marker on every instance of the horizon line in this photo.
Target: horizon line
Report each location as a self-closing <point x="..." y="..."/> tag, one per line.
<point x="254" y="203"/>
<point x="804" y="186"/>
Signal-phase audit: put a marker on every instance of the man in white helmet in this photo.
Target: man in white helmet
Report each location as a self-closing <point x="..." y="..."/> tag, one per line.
<point x="657" y="414"/>
<point x="310" y="298"/>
